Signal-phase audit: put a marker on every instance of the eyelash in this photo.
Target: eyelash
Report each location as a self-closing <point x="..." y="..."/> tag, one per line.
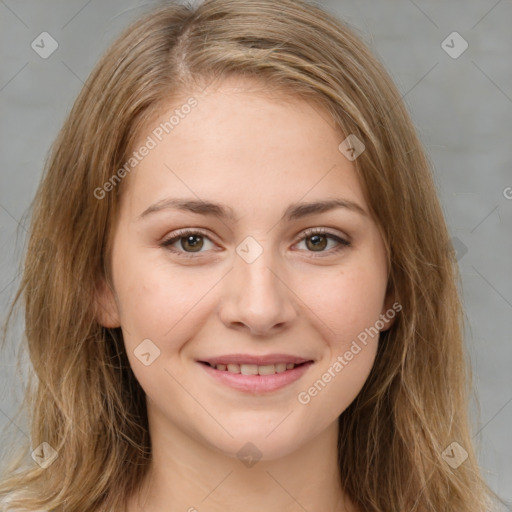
<point x="305" y="234"/>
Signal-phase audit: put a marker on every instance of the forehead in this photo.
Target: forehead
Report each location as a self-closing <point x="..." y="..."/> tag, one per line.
<point x="241" y="142"/>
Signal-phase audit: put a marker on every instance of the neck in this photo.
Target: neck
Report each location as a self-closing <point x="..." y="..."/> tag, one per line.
<point x="193" y="477"/>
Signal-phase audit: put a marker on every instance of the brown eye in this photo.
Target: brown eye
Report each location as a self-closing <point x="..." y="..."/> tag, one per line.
<point x="193" y="242"/>
<point x="318" y="242"/>
<point x="187" y="242"/>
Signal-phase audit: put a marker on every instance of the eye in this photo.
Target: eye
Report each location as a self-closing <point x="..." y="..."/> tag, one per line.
<point x="190" y="241"/>
<point x="317" y="239"/>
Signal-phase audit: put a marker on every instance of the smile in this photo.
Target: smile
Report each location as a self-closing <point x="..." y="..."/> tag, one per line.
<point x="254" y="369"/>
<point x="254" y="378"/>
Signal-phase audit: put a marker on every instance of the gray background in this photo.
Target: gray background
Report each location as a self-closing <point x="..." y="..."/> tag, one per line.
<point x="461" y="106"/>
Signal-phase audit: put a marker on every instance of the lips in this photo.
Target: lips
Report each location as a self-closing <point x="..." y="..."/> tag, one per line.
<point x="255" y="359"/>
<point x="254" y="369"/>
<point x="256" y="374"/>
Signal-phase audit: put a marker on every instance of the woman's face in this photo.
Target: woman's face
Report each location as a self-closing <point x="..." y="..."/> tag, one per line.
<point x="247" y="175"/>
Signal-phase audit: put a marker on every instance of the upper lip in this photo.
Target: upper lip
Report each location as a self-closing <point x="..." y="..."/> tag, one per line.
<point x="254" y="359"/>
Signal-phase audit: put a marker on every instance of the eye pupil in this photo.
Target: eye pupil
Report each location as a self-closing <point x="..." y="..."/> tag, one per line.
<point x="196" y="246"/>
<point x="317" y="244"/>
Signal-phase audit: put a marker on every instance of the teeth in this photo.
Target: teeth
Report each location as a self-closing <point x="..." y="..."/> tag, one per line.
<point x="254" y="369"/>
<point x="268" y="369"/>
<point x="280" y="367"/>
<point x="249" y="369"/>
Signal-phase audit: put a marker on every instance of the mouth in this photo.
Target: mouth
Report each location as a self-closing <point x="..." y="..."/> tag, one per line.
<point x="255" y="377"/>
<point x="254" y="369"/>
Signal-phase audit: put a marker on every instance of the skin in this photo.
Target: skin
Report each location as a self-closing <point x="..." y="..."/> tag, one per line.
<point x="257" y="154"/>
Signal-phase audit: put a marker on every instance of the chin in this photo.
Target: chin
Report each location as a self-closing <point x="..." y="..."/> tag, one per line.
<point x="248" y="445"/>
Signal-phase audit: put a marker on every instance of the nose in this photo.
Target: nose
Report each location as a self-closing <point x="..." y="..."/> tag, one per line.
<point x="257" y="297"/>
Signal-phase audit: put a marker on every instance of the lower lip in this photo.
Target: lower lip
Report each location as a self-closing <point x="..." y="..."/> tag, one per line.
<point x="257" y="383"/>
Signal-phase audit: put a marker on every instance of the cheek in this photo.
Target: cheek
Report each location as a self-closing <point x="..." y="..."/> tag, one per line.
<point x="162" y="307"/>
<point x="157" y="298"/>
<point x="348" y="314"/>
<point x="337" y="383"/>
<point x="346" y="306"/>
<point x="345" y="302"/>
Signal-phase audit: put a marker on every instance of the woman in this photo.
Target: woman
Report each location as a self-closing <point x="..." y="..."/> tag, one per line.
<point x="239" y="288"/>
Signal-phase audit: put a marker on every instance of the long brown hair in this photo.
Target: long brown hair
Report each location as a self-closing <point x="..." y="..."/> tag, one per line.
<point x="87" y="404"/>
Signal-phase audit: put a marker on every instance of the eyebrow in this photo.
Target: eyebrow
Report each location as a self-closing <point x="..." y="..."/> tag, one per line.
<point x="221" y="211"/>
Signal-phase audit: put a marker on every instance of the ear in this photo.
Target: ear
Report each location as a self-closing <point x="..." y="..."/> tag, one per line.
<point x="390" y="310"/>
<point x="106" y="309"/>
